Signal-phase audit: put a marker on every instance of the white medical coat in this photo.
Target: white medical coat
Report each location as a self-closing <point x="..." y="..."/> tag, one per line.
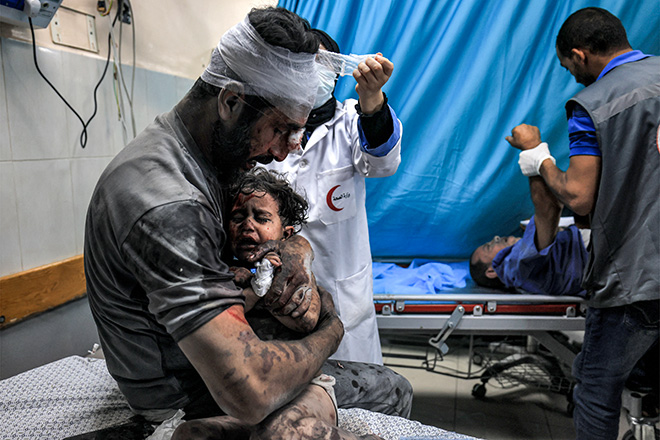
<point x="330" y="172"/>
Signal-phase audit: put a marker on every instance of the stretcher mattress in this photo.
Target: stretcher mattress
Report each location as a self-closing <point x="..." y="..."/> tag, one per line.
<point x="77" y="395"/>
<point x="425" y="299"/>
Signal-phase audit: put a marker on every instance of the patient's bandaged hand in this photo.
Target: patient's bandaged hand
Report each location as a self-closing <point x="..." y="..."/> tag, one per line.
<point x="530" y="160"/>
<point x="263" y="277"/>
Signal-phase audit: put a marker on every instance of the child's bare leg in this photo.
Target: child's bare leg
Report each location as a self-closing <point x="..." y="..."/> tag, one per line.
<point x="221" y="427"/>
<point x="311" y="416"/>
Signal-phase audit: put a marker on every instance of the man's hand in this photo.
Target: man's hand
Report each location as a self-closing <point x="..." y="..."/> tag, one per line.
<point x="291" y="291"/>
<point x="524" y="137"/>
<point x="371" y="75"/>
<point x="328" y="317"/>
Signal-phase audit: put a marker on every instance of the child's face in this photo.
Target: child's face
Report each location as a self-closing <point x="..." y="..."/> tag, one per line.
<point x="255" y="219"/>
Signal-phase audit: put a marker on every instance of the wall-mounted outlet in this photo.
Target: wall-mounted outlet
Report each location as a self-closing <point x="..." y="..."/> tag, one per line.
<point x="74" y="29"/>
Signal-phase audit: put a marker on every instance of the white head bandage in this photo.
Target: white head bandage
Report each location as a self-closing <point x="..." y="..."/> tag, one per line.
<point x="340" y="64"/>
<point x="285" y="79"/>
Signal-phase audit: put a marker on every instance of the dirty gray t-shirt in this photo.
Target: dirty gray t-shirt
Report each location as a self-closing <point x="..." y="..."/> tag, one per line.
<point x="153" y="243"/>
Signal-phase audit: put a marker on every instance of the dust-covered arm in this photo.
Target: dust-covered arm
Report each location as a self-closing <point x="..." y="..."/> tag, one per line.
<point x="250" y="378"/>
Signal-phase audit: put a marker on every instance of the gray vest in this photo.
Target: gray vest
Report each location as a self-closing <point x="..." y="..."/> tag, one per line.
<point x="624" y="255"/>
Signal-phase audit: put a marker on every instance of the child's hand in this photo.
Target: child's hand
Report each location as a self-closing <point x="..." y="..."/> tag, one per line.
<point x="242" y="276"/>
<point x="274" y="259"/>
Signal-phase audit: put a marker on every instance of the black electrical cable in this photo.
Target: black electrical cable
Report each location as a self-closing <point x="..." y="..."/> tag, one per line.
<point x="126" y="7"/>
<point x="98" y="84"/>
<point x="83" y="135"/>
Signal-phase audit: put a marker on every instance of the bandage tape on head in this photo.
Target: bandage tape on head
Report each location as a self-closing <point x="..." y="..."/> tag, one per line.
<point x="287" y="80"/>
<point x="339" y="63"/>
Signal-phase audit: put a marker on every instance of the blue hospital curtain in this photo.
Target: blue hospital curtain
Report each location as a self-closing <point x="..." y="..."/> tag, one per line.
<point x="466" y="72"/>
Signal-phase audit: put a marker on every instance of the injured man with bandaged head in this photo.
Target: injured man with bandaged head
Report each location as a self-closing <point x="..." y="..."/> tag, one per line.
<point x="170" y="316"/>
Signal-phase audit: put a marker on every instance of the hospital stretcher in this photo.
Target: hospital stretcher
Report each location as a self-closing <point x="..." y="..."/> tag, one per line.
<point x="478" y="311"/>
<point x="76" y="398"/>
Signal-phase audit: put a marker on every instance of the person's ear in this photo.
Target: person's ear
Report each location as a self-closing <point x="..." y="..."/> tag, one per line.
<point x="579" y="56"/>
<point x="230" y="102"/>
<point x="288" y="232"/>
<point x="490" y="273"/>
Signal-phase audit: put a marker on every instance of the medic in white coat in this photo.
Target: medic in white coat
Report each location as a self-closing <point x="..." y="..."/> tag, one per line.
<point x="330" y="172"/>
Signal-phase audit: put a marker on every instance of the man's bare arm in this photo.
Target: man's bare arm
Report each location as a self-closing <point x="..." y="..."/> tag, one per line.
<point x="547" y="211"/>
<point x="577" y="186"/>
<point x="250" y="378"/>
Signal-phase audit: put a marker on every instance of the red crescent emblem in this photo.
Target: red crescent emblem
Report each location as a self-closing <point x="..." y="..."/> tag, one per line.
<point x="328" y="199"/>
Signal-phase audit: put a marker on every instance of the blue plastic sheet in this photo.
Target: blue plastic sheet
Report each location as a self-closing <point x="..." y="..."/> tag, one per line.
<point x="466" y="72"/>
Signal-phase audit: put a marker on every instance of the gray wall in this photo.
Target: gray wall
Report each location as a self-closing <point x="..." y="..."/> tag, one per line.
<point x="46" y="179"/>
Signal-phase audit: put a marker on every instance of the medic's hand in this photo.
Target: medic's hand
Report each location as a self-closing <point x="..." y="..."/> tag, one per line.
<point x="371" y="75"/>
<point x="242" y="276"/>
<point x="291" y="291"/>
<point x="524" y="137"/>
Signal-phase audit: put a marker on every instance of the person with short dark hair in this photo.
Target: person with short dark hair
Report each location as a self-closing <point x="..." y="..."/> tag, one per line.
<point x="614" y="177"/>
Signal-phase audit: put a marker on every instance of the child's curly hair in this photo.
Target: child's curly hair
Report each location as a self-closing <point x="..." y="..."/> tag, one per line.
<point x="291" y="205"/>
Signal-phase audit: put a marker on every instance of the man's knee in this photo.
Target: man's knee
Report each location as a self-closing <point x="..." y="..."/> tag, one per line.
<point x="212" y="428"/>
<point x="369" y="386"/>
<point x="194" y="429"/>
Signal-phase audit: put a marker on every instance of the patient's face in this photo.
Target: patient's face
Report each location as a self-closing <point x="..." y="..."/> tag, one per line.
<point x="254" y="219"/>
<point x="486" y="252"/>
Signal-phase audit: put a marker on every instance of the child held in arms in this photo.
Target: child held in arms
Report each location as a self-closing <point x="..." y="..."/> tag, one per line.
<point x="264" y="208"/>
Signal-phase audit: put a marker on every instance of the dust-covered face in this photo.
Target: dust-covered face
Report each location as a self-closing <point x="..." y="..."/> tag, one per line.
<point x="268" y="136"/>
<point x="273" y="137"/>
<point x="254" y="219"/>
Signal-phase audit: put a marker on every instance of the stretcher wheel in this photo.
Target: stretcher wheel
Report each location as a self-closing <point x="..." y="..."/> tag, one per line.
<point x="628" y="436"/>
<point x="477" y="359"/>
<point x="479" y="390"/>
<point x="569" y="409"/>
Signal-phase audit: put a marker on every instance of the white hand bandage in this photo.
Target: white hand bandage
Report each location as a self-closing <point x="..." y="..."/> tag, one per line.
<point x="530" y="160"/>
<point x="263" y="277"/>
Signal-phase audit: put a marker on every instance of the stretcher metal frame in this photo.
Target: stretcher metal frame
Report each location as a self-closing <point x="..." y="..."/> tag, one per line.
<point x="479" y="311"/>
<point x="476" y="310"/>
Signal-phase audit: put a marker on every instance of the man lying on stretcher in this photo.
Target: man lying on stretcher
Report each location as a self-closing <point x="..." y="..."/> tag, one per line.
<point x="546" y="260"/>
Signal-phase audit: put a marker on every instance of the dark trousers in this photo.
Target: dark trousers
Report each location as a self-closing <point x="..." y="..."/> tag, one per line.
<point x="369" y="386"/>
<point x="615" y="340"/>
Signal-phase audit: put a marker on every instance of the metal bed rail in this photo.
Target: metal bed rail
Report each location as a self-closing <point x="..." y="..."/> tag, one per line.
<point x="481" y="312"/>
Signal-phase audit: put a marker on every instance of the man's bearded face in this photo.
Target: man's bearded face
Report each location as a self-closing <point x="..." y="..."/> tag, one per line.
<point x="258" y="136"/>
<point x="230" y="151"/>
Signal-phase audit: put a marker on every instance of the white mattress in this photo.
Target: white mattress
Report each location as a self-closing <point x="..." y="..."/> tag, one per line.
<point x="76" y="395"/>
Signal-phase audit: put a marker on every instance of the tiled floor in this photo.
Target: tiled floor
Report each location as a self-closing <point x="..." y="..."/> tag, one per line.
<point x="520" y="412"/>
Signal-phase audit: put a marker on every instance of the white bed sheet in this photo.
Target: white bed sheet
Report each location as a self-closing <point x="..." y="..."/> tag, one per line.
<point x="76" y="395"/>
